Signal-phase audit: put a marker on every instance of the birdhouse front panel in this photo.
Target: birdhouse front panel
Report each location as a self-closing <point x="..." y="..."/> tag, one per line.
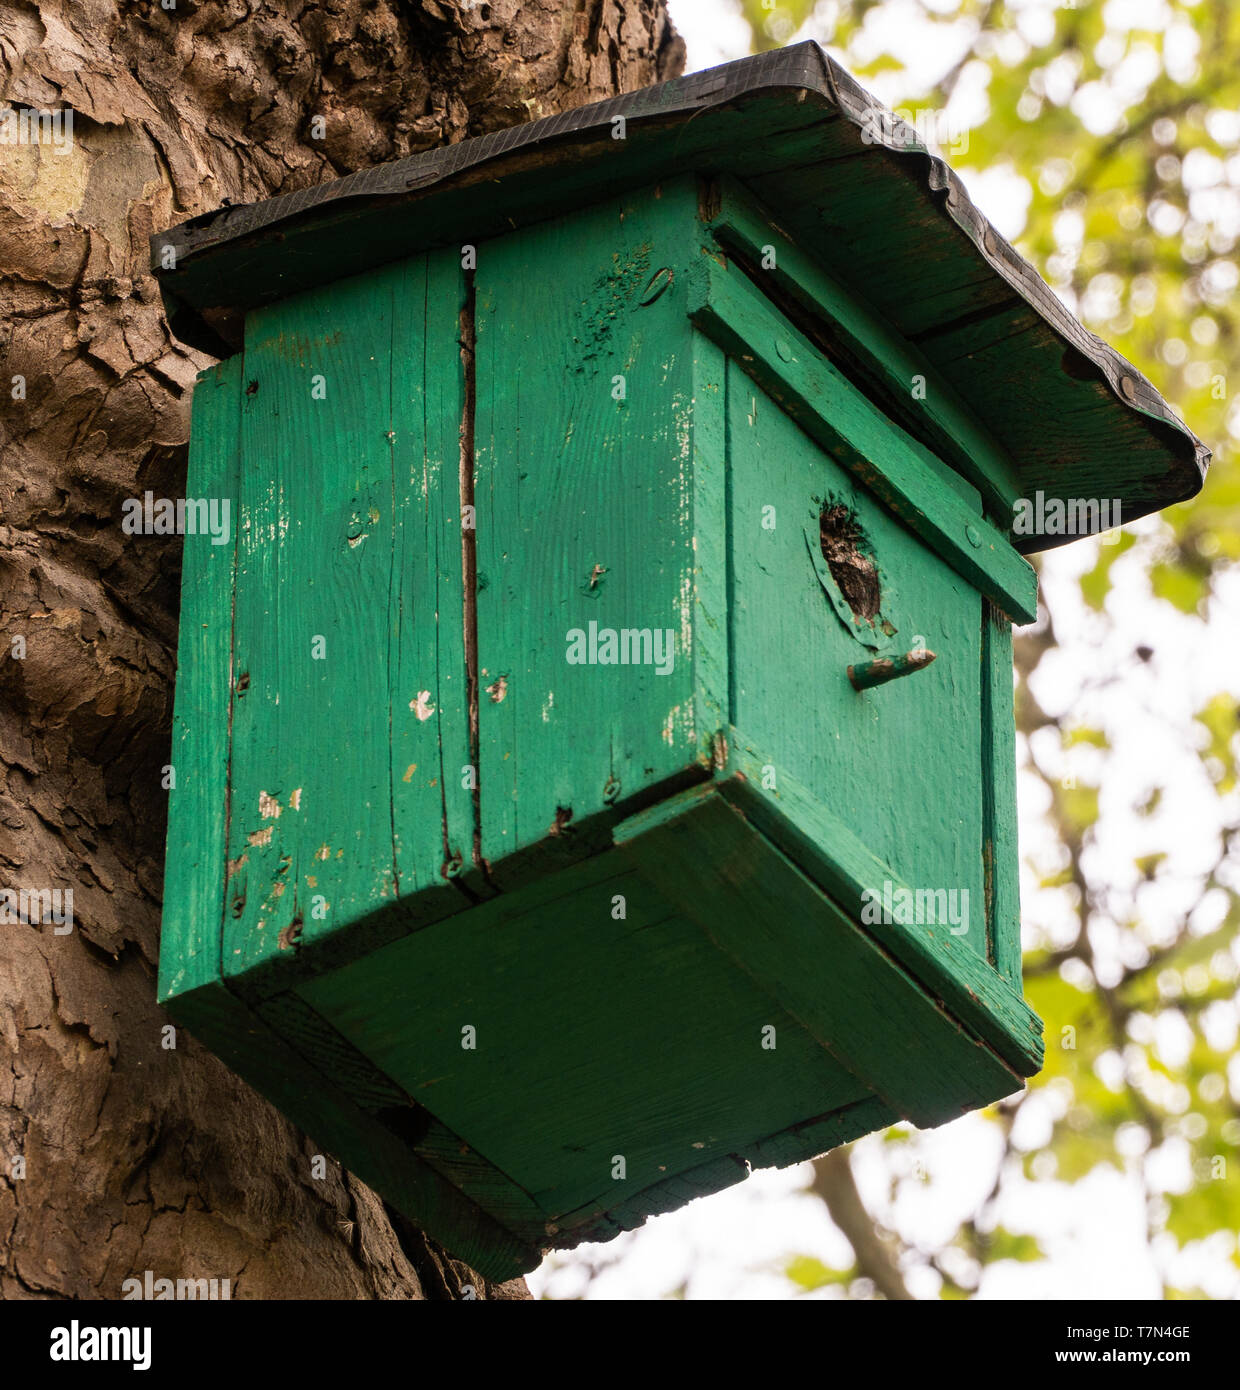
<point x="595" y="745"/>
<point x="584" y="489"/>
<point x="349" y="721"/>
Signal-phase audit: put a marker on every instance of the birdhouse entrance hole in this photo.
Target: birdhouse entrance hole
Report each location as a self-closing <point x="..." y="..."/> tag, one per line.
<point x="843" y="542"/>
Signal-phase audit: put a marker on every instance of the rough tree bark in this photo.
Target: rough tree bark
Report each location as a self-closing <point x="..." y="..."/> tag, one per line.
<point x="136" y="1157"/>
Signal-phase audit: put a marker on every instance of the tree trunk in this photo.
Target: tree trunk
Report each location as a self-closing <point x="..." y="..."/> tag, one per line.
<point x="118" y="1153"/>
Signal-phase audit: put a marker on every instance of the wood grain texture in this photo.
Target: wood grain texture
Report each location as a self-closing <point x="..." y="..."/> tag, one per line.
<point x="430" y="784"/>
<point x="597" y="1037"/>
<point x="585" y="516"/>
<point x="794" y="1145"/>
<point x="332" y="1118"/>
<point x="311" y="820"/>
<point x="711" y="538"/>
<point x="480" y="1183"/>
<point x="1000" y="846"/>
<point x="349" y="730"/>
<point x="194" y="869"/>
<point x="829" y="852"/>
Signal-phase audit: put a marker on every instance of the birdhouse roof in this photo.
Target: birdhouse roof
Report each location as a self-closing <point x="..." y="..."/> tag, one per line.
<point x="849" y="183"/>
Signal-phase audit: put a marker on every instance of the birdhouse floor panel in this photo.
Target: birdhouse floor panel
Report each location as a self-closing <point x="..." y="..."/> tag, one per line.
<point x="835" y="976"/>
<point x="826" y="850"/>
<point x="655" y="1020"/>
<point x="597" y="1039"/>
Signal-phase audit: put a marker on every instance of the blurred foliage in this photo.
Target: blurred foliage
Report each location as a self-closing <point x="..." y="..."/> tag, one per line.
<point x="1123" y="121"/>
<point x="775" y="22"/>
<point x="811" y="1274"/>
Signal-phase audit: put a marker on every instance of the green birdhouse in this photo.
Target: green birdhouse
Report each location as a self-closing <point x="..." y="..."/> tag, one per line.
<point x="594" y="733"/>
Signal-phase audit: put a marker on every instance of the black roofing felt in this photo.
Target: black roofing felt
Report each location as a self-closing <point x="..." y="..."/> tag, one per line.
<point x="851" y="184"/>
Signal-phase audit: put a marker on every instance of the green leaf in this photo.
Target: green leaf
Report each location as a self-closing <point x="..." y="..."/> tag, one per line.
<point x="1221" y="719"/>
<point x="1003" y="1244"/>
<point x="1179" y="586"/>
<point x="810" y="1273"/>
<point x="1096" y="584"/>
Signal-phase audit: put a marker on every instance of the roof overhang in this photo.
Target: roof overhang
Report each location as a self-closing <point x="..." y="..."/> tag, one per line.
<point x="847" y="181"/>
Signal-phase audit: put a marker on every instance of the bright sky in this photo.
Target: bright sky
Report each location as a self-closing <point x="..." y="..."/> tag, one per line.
<point x="733" y="1245"/>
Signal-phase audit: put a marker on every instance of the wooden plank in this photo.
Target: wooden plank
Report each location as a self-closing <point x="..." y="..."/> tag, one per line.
<point x="711" y="536"/>
<point x="189" y="957"/>
<point x="585" y="497"/>
<point x="311" y="839"/>
<point x="632" y="1210"/>
<point x="344" y="613"/>
<point x="891" y="464"/>
<point x="756" y="906"/>
<point x="794" y="1145"/>
<point x="431" y="758"/>
<point x="822" y="1134"/>
<point x="886" y="363"/>
<point x="831" y="854"/>
<point x="1000" y="845"/>
<point x="457" y="1161"/>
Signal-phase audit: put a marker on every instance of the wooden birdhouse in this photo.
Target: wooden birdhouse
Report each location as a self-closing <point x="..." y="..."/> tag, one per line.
<point x="594" y="739"/>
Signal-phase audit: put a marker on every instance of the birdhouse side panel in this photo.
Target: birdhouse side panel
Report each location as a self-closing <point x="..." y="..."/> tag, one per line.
<point x="194" y="871"/>
<point x="825" y="578"/>
<point x="1000" y="847"/>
